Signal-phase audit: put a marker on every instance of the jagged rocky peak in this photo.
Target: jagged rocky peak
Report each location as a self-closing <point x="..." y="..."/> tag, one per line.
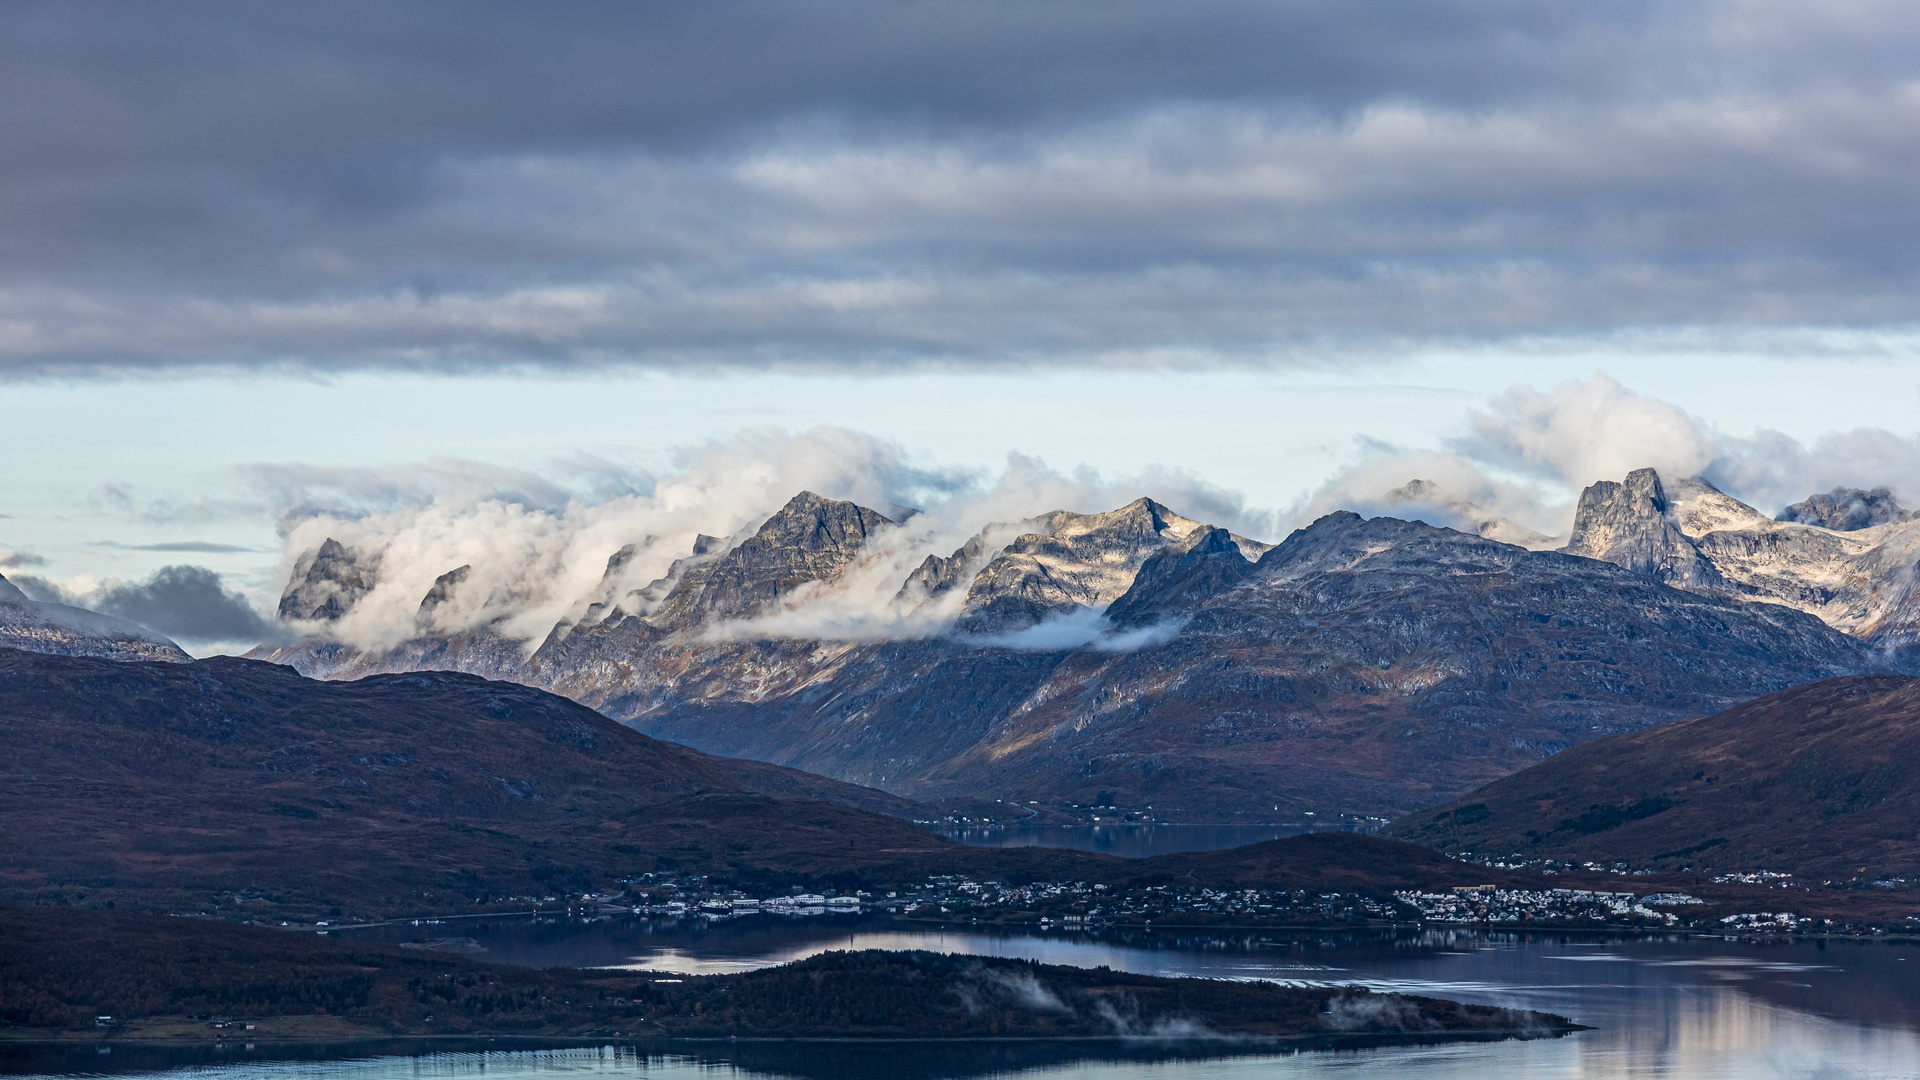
<point x="442" y="591"/>
<point x="326" y="583"/>
<point x="1859" y="580"/>
<point x="1847" y="509"/>
<point x="38" y="626"/>
<point x="1343" y="542"/>
<point x="1633" y="524"/>
<point x="1073" y="561"/>
<point x="937" y="575"/>
<point x="669" y="599"/>
<point x="810" y="539"/>
<point x="1181" y="576"/>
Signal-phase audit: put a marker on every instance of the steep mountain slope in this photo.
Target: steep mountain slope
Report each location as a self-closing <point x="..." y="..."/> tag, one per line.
<point x="1852" y="558"/>
<point x="328" y="581"/>
<point x="69" y="631"/>
<point x="1364" y="667"/>
<point x="1821" y="781"/>
<point x="811" y="540"/>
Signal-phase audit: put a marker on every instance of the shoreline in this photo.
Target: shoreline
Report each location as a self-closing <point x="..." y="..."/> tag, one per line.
<point x="537" y="1042"/>
<point x="1876" y="934"/>
<point x="1901" y="934"/>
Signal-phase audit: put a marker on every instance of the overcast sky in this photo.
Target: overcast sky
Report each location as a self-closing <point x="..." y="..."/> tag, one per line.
<point x="870" y="185"/>
<point x="1260" y="242"/>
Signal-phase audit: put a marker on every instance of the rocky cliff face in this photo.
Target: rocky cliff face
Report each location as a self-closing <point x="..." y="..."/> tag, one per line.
<point x="1632" y="524"/>
<point x="326" y="583"/>
<point x="35" y="626"/>
<point x="811" y="540"/>
<point x="1859" y="579"/>
<point x="1079" y="560"/>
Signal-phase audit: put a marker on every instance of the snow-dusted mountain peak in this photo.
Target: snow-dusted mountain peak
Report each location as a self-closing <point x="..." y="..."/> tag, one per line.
<point x="1861" y="580"/>
<point x="37" y="626"/>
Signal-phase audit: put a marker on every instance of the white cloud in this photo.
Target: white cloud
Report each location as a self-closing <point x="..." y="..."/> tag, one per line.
<point x="1579" y="432"/>
<point x="538" y="553"/>
<point x="1527" y="454"/>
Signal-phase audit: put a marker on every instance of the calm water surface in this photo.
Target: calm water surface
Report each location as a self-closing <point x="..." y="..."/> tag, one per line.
<point x="1662" y="1008"/>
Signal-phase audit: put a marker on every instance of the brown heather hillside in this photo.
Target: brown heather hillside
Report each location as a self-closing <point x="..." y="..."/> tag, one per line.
<point x="241" y="788"/>
<point x="1821" y="781"/>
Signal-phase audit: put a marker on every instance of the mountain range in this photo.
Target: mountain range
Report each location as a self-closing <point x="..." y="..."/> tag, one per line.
<point x="1142" y="659"/>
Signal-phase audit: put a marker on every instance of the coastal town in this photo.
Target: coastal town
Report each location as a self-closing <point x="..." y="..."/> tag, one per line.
<point x="1079" y="905"/>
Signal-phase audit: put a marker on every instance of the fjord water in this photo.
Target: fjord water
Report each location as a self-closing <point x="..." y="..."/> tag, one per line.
<point x="1661" y="1008"/>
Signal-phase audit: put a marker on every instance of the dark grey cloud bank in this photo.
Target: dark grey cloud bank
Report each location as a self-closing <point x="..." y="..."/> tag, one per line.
<point x="190" y="604"/>
<point x="877" y="184"/>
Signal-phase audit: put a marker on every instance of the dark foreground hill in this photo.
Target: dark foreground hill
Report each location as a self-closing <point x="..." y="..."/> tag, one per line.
<point x="184" y="785"/>
<point x="1819" y="781"/>
<point x="61" y="969"/>
<point x="242" y="788"/>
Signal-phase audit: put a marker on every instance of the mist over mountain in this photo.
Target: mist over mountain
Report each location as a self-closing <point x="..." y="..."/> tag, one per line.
<point x="1145" y="658"/>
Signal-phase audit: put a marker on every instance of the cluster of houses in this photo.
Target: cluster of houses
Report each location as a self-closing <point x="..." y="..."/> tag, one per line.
<point x="1487" y="904"/>
<point x="1062" y="904"/>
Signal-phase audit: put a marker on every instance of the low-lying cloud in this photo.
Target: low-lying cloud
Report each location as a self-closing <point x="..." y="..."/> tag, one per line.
<point x="540" y="559"/>
<point x="187" y="603"/>
<point x="1526" y="455"/>
<point x="538" y="544"/>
